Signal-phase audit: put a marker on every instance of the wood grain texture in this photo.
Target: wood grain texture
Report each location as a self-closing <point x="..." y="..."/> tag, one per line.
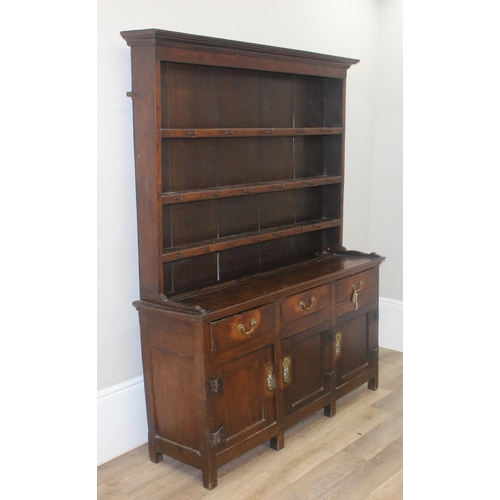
<point x="242" y="122"/>
<point x="356" y="455"/>
<point x="262" y="129"/>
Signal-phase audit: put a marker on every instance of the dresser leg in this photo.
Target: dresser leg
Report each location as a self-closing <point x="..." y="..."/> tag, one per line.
<point x="373" y="383"/>
<point x="330" y="410"/>
<point x="154" y="456"/>
<point x="278" y="442"/>
<point x="209" y="473"/>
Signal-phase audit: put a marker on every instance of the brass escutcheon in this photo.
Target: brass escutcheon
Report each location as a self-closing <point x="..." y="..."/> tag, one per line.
<point x="271" y="379"/>
<point x="338" y="342"/>
<point x="287" y="374"/>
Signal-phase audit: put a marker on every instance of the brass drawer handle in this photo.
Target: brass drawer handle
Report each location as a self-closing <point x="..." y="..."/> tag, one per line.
<point x="311" y="303"/>
<point x="354" y="298"/>
<point x="270" y="378"/>
<point x="241" y="328"/>
<point x="287" y="373"/>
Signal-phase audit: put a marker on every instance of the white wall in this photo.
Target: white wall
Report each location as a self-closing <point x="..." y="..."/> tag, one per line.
<point x="385" y="234"/>
<point x="338" y="27"/>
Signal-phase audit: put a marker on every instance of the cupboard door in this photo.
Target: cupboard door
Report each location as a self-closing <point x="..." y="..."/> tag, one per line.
<point x="356" y="343"/>
<point x="244" y="398"/>
<point x="307" y="367"/>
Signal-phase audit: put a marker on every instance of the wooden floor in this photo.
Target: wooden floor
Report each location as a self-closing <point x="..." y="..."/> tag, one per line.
<point x="356" y="455"/>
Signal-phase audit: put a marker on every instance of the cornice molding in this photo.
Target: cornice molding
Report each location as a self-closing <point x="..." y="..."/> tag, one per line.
<point x="172" y="39"/>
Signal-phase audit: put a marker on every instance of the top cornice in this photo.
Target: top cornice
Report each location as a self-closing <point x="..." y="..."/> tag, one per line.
<point x="163" y="38"/>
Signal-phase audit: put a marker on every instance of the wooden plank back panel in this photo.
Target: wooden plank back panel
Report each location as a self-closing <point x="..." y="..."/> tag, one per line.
<point x="189" y="94"/>
<point x="237" y="104"/>
<point x="275" y="94"/>
<point x="188" y="164"/>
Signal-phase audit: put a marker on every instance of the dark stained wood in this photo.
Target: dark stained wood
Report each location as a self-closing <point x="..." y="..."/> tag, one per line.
<point x="237" y="161"/>
<point x="194" y="272"/>
<point x="185" y="47"/>
<point x="246" y="405"/>
<point x="365" y="298"/>
<point x="244" y="283"/>
<point x="189" y="165"/>
<point x="276" y="162"/>
<point x="332" y="196"/>
<point x="314" y="155"/>
<point x="309" y="204"/>
<point x="363" y="282"/>
<point x="279" y="252"/>
<point x="224" y="243"/>
<point x="167" y="227"/>
<point x="309" y="101"/>
<point x="358" y="345"/>
<point x="237" y="98"/>
<point x="277" y="209"/>
<point x="145" y="82"/>
<point x="190" y="92"/>
<point x="305" y="303"/>
<point x="310" y="362"/>
<point x="247" y="189"/>
<point x="247" y="219"/>
<point x="225" y="332"/>
<point x="174" y="399"/>
<point x="178" y="337"/>
<point x="293" y="279"/>
<point x="239" y="262"/>
<point x="275" y="100"/>
<point x="203" y="215"/>
<point x="233" y="132"/>
<point x="333" y="90"/>
<point x="310" y="245"/>
<point x="333" y="155"/>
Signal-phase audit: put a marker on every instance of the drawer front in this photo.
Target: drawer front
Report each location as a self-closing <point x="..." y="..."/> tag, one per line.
<point x="304" y="303"/>
<point x="354" y="288"/>
<point x="249" y="325"/>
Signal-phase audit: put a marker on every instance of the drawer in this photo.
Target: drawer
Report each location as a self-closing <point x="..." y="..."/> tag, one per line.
<point x="304" y="303"/>
<point x="361" y="286"/>
<point x="250" y="325"/>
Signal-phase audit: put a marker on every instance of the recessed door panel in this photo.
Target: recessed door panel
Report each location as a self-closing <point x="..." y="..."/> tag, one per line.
<point x="355" y="342"/>
<point x="246" y="401"/>
<point x="306" y="367"/>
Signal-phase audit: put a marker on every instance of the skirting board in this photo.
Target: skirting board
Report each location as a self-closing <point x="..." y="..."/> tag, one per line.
<point x="121" y="409"/>
<point x="390" y="324"/>
<point x="121" y="419"/>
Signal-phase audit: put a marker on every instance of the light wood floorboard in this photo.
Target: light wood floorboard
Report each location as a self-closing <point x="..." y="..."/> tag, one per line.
<point x="356" y="455"/>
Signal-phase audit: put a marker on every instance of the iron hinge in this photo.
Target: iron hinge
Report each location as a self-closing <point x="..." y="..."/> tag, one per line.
<point x="372" y="353"/>
<point x="215" y="386"/>
<point x="330" y="377"/>
<point x="328" y="336"/>
<point x="217" y="437"/>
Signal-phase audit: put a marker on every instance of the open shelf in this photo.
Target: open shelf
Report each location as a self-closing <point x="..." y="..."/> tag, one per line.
<point x="247" y="189"/>
<point x="248" y="164"/>
<point x="221" y="244"/>
<point x="207" y="97"/>
<point x="169" y="133"/>
<point x="210" y="163"/>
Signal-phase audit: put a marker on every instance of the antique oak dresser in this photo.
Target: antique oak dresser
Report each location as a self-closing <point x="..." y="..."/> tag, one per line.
<point x="253" y="315"/>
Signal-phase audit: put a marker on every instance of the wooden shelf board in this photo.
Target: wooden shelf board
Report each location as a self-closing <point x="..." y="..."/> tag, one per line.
<point x="177" y="133"/>
<point x="247" y="189"/>
<point x="226" y="243"/>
